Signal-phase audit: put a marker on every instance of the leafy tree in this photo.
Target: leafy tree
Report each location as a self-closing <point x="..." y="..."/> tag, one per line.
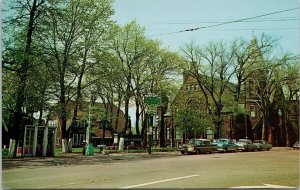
<point x="69" y="34"/>
<point x="133" y="52"/>
<point x="18" y="55"/>
<point x="190" y="123"/>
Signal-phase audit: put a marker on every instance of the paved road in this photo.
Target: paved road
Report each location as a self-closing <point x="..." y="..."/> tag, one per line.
<point x="221" y="170"/>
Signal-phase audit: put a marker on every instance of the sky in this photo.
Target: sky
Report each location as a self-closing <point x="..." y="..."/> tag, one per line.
<point x="160" y="17"/>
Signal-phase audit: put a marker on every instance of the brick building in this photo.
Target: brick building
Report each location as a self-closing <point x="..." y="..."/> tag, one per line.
<point x="102" y="118"/>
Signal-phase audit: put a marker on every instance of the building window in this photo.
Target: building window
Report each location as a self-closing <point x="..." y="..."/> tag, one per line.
<point x="187" y="87"/>
<point x="168" y="133"/>
<point x="75" y="139"/>
<point x="251" y="86"/>
<point x="82" y="138"/>
<point x="252" y="111"/>
<point x="195" y="87"/>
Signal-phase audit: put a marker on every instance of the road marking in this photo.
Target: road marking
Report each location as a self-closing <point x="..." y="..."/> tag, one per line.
<point x="265" y="186"/>
<point x="160" y="181"/>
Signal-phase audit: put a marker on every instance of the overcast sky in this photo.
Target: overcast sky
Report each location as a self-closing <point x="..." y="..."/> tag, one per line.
<point x="170" y="16"/>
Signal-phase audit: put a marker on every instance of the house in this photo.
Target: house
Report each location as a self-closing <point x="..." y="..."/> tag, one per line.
<point x="105" y="120"/>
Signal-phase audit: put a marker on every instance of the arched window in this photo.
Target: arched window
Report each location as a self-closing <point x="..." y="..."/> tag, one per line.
<point x="193" y="104"/>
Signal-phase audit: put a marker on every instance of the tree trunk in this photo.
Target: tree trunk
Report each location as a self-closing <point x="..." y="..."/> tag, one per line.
<point x="118" y="115"/>
<point x="162" y="142"/>
<point x="23" y="75"/>
<point x="137" y="115"/>
<point x="126" y="107"/>
<point x="63" y="116"/>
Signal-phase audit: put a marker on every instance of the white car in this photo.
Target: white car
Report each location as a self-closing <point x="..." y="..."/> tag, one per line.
<point x="246" y="145"/>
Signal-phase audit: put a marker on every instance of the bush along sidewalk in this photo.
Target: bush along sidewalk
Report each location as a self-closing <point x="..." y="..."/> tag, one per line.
<point x="109" y="150"/>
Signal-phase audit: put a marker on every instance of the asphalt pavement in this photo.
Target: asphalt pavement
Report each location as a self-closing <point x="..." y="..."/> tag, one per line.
<point x="78" y="159"/>
<point x="276" y="168"/>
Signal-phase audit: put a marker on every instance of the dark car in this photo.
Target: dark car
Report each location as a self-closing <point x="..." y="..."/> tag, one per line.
<point x="296" y="145"/>
<point x="197" y="146"/>
<point x="246" y="145"/>
<point x="262" y="145"/>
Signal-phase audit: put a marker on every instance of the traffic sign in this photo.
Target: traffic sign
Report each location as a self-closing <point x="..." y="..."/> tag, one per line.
<point x="152" y="100"/>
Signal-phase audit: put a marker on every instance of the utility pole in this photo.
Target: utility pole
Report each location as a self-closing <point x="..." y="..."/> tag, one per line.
<point x="88" y="130"/>
<point x="149" y="133"/>
<point x="246" y="126"/>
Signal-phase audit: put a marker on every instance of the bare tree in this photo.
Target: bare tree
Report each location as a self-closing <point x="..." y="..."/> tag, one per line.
<point x="211" y="66"/>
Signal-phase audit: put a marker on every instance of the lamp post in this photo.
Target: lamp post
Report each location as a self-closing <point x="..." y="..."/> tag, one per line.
<point x="246" y="126"/>
<point x="149" y="134"/>
<point x="168" y="123"/>
<point x="88" y="131"/>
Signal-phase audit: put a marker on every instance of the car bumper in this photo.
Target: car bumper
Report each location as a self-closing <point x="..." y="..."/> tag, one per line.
<point x="220" y="149"/>
<point x="188" y="150"/>
<point x="241" y="148"/>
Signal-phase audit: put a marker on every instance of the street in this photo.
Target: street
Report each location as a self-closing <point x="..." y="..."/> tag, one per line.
<point x="275" y="168"/>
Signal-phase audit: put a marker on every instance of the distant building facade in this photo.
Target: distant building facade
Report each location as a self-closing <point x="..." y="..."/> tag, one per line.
<point x="104" y="119"/>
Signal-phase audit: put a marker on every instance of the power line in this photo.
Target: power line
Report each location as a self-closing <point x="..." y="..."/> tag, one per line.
<point x="197" y="22"/>
<point x="254" y="29"/>
<point x="232" y="29"/>
<point x="224" y="23"/>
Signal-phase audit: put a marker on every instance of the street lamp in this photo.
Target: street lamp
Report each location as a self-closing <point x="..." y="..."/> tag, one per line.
<point x="149" y="134"/>
<point x="168" y="120"/>
<point x="88" y="131"/>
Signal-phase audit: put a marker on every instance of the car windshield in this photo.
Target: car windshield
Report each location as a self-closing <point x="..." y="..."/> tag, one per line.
<point x="222" y="140"/>
<point x="257" y="141"/>
<point x="198" y="142"/>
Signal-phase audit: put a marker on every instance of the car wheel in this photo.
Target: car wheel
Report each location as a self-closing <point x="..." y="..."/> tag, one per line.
<point x="182" y="152"/>
<point x="226" y="149"/>
<point x="268" y="149"/>
<point x="198" y="151"/>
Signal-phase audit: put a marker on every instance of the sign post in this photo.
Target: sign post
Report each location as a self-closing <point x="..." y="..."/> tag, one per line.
<point x="152" y="103"/>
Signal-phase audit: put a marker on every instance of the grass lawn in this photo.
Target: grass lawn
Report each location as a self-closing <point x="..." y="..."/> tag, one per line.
<point x="58" y="151"/>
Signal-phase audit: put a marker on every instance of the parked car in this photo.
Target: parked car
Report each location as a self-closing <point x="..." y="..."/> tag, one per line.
<point x="197" y="146"/>
<point x="262" y="145"/>
<point x="246" y="145"/>
<point x="296" y="145"/>
<point x="225" y="145"/>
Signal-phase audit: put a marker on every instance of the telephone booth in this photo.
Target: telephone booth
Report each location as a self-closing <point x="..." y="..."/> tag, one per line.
<point x="39" y="140"/>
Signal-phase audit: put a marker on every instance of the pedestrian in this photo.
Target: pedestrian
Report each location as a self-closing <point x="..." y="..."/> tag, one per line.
<point x="83" y="147"/>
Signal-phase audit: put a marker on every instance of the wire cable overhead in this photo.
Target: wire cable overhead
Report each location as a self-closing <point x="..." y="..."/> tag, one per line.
<point x="228" y="22"/>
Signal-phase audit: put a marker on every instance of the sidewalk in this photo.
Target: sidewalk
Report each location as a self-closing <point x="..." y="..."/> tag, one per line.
<point x="78" y="159"/>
